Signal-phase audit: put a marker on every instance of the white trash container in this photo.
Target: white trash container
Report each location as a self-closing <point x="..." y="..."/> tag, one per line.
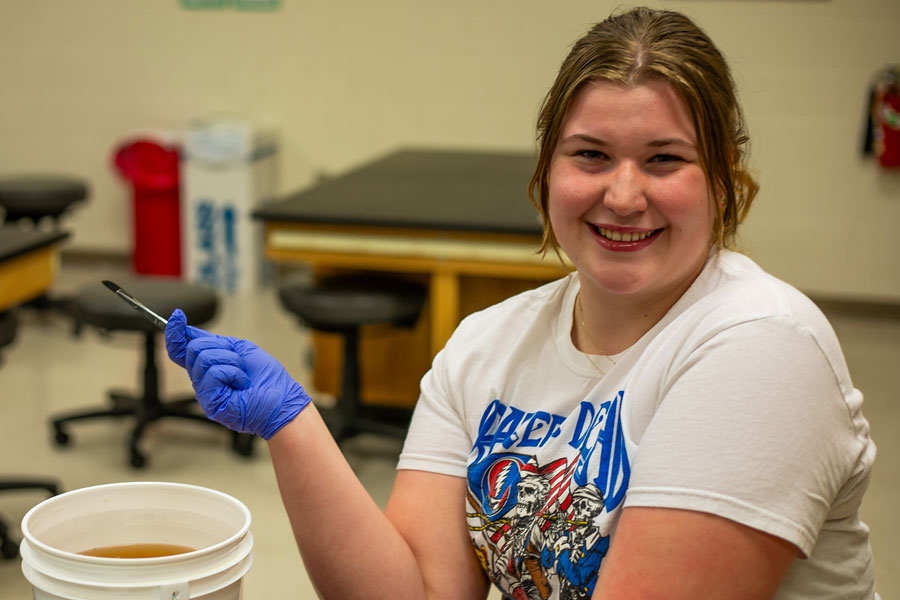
<point x="215" y="524"/>
<point x="229" y="168"/>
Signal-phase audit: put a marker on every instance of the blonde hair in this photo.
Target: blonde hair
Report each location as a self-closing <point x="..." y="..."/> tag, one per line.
<point x="643" y="44"/>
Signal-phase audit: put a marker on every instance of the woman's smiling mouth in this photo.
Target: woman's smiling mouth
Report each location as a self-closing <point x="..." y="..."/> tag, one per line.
<point x="622" y="240"/>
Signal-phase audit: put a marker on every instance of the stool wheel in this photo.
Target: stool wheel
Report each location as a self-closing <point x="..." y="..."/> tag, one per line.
<point x="61" y="437"/>
<point x="138" y="460"/>
<point x="242" y="443"/>
<point x="9" y="549"/>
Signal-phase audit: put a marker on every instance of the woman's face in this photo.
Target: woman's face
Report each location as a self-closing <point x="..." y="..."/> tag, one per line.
<point x="628" y="199"/>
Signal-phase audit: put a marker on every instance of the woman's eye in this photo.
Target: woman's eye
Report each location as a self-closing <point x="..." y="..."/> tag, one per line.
<point x="591" y="154"/>
<point x="665" y="158"/>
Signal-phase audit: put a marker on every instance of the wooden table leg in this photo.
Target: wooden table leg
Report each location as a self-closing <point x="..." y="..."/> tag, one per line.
<point x="444" y="298"/>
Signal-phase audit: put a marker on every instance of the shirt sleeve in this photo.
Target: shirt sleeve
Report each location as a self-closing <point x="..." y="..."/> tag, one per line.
<point x="752" y="426"/>
<point x="437" y="440"/>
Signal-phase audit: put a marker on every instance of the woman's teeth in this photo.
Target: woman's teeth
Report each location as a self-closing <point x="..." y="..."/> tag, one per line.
<point x="623" y="236"/>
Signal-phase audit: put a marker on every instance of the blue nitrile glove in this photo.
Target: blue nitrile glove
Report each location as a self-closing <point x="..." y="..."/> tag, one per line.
<point x="237" y="383"/>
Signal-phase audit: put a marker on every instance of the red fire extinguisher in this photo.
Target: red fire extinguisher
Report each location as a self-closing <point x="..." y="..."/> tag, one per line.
<point x="883" y="135"/>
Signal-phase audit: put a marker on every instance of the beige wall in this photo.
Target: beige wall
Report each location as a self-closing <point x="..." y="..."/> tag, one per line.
<point x="344" y="81"/>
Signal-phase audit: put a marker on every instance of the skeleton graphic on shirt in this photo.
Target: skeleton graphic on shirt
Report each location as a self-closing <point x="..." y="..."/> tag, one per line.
<point x="578" y="552"/>
<point x="541" y="530"/>
<point x="540" y="541"/>
<point x="526" y="525"/>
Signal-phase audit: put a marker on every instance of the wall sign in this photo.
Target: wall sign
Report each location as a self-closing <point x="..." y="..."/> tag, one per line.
<point x="226" y="4"/>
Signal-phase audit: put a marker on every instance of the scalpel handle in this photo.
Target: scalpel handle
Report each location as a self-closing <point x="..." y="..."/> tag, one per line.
<point x="137" y="305"/>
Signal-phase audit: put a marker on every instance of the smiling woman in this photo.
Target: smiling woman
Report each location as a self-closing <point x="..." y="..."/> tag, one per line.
<point x="681" y="406"/>
<point x="667" y="421"/>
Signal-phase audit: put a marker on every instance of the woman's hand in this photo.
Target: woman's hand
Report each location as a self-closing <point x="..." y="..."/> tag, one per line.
<point x="237" y="383"/>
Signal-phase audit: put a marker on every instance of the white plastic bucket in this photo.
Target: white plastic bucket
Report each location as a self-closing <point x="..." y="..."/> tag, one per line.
<point x="217" y="525"/>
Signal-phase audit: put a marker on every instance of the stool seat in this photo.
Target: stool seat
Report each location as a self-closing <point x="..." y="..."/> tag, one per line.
<point x="339" y="302"/>
<point x="103" y="309"/>
<point x="36" y="196"/>
<point x="344" y="304"/>
<point x="99" y="307"/>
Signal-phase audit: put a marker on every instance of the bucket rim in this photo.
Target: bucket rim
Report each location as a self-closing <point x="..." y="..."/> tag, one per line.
<point x="29" y="535"/>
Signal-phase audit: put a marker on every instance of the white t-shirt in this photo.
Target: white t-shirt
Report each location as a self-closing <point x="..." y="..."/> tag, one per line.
<point x="737" y="403"/>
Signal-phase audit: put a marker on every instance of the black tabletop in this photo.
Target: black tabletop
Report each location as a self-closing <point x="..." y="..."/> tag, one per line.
<point x="423" y="189"/>
<point x="15" y="242"/>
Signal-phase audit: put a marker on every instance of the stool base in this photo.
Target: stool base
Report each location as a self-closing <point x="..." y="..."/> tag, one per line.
<point x="145" y="413"/>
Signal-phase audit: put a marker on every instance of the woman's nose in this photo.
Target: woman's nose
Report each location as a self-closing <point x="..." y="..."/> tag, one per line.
<point x="625" y="193"/>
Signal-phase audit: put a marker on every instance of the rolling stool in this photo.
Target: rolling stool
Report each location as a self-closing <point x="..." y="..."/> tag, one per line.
<point x="34" y="198"/>
<point x="8" y="547"/>
<point x="103" y="309"/>
<point x="342" y="305"/>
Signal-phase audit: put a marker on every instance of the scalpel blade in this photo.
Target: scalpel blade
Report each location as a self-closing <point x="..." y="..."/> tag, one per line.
<point x="136" y="305"/>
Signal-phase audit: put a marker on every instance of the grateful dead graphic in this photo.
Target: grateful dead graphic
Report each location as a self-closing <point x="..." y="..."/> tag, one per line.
<point x="542" y="530"/>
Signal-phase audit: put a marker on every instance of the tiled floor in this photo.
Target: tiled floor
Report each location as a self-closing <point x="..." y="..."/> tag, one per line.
<point x="48" y="371"/>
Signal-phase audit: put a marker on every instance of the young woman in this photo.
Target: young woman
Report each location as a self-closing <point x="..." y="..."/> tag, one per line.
<point x="668" y="421"/>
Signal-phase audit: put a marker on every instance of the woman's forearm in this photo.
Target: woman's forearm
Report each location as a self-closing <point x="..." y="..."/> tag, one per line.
<point x="349" y="547"/>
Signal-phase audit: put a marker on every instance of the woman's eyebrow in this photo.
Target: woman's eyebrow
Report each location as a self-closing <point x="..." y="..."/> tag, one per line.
<point x="583" y="137"/>
<point x="658" y="143"/>
<point x="670" y="142"/>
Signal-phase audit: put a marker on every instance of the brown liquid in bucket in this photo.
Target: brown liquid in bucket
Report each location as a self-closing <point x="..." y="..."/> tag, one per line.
<point x="137" y="551"/>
